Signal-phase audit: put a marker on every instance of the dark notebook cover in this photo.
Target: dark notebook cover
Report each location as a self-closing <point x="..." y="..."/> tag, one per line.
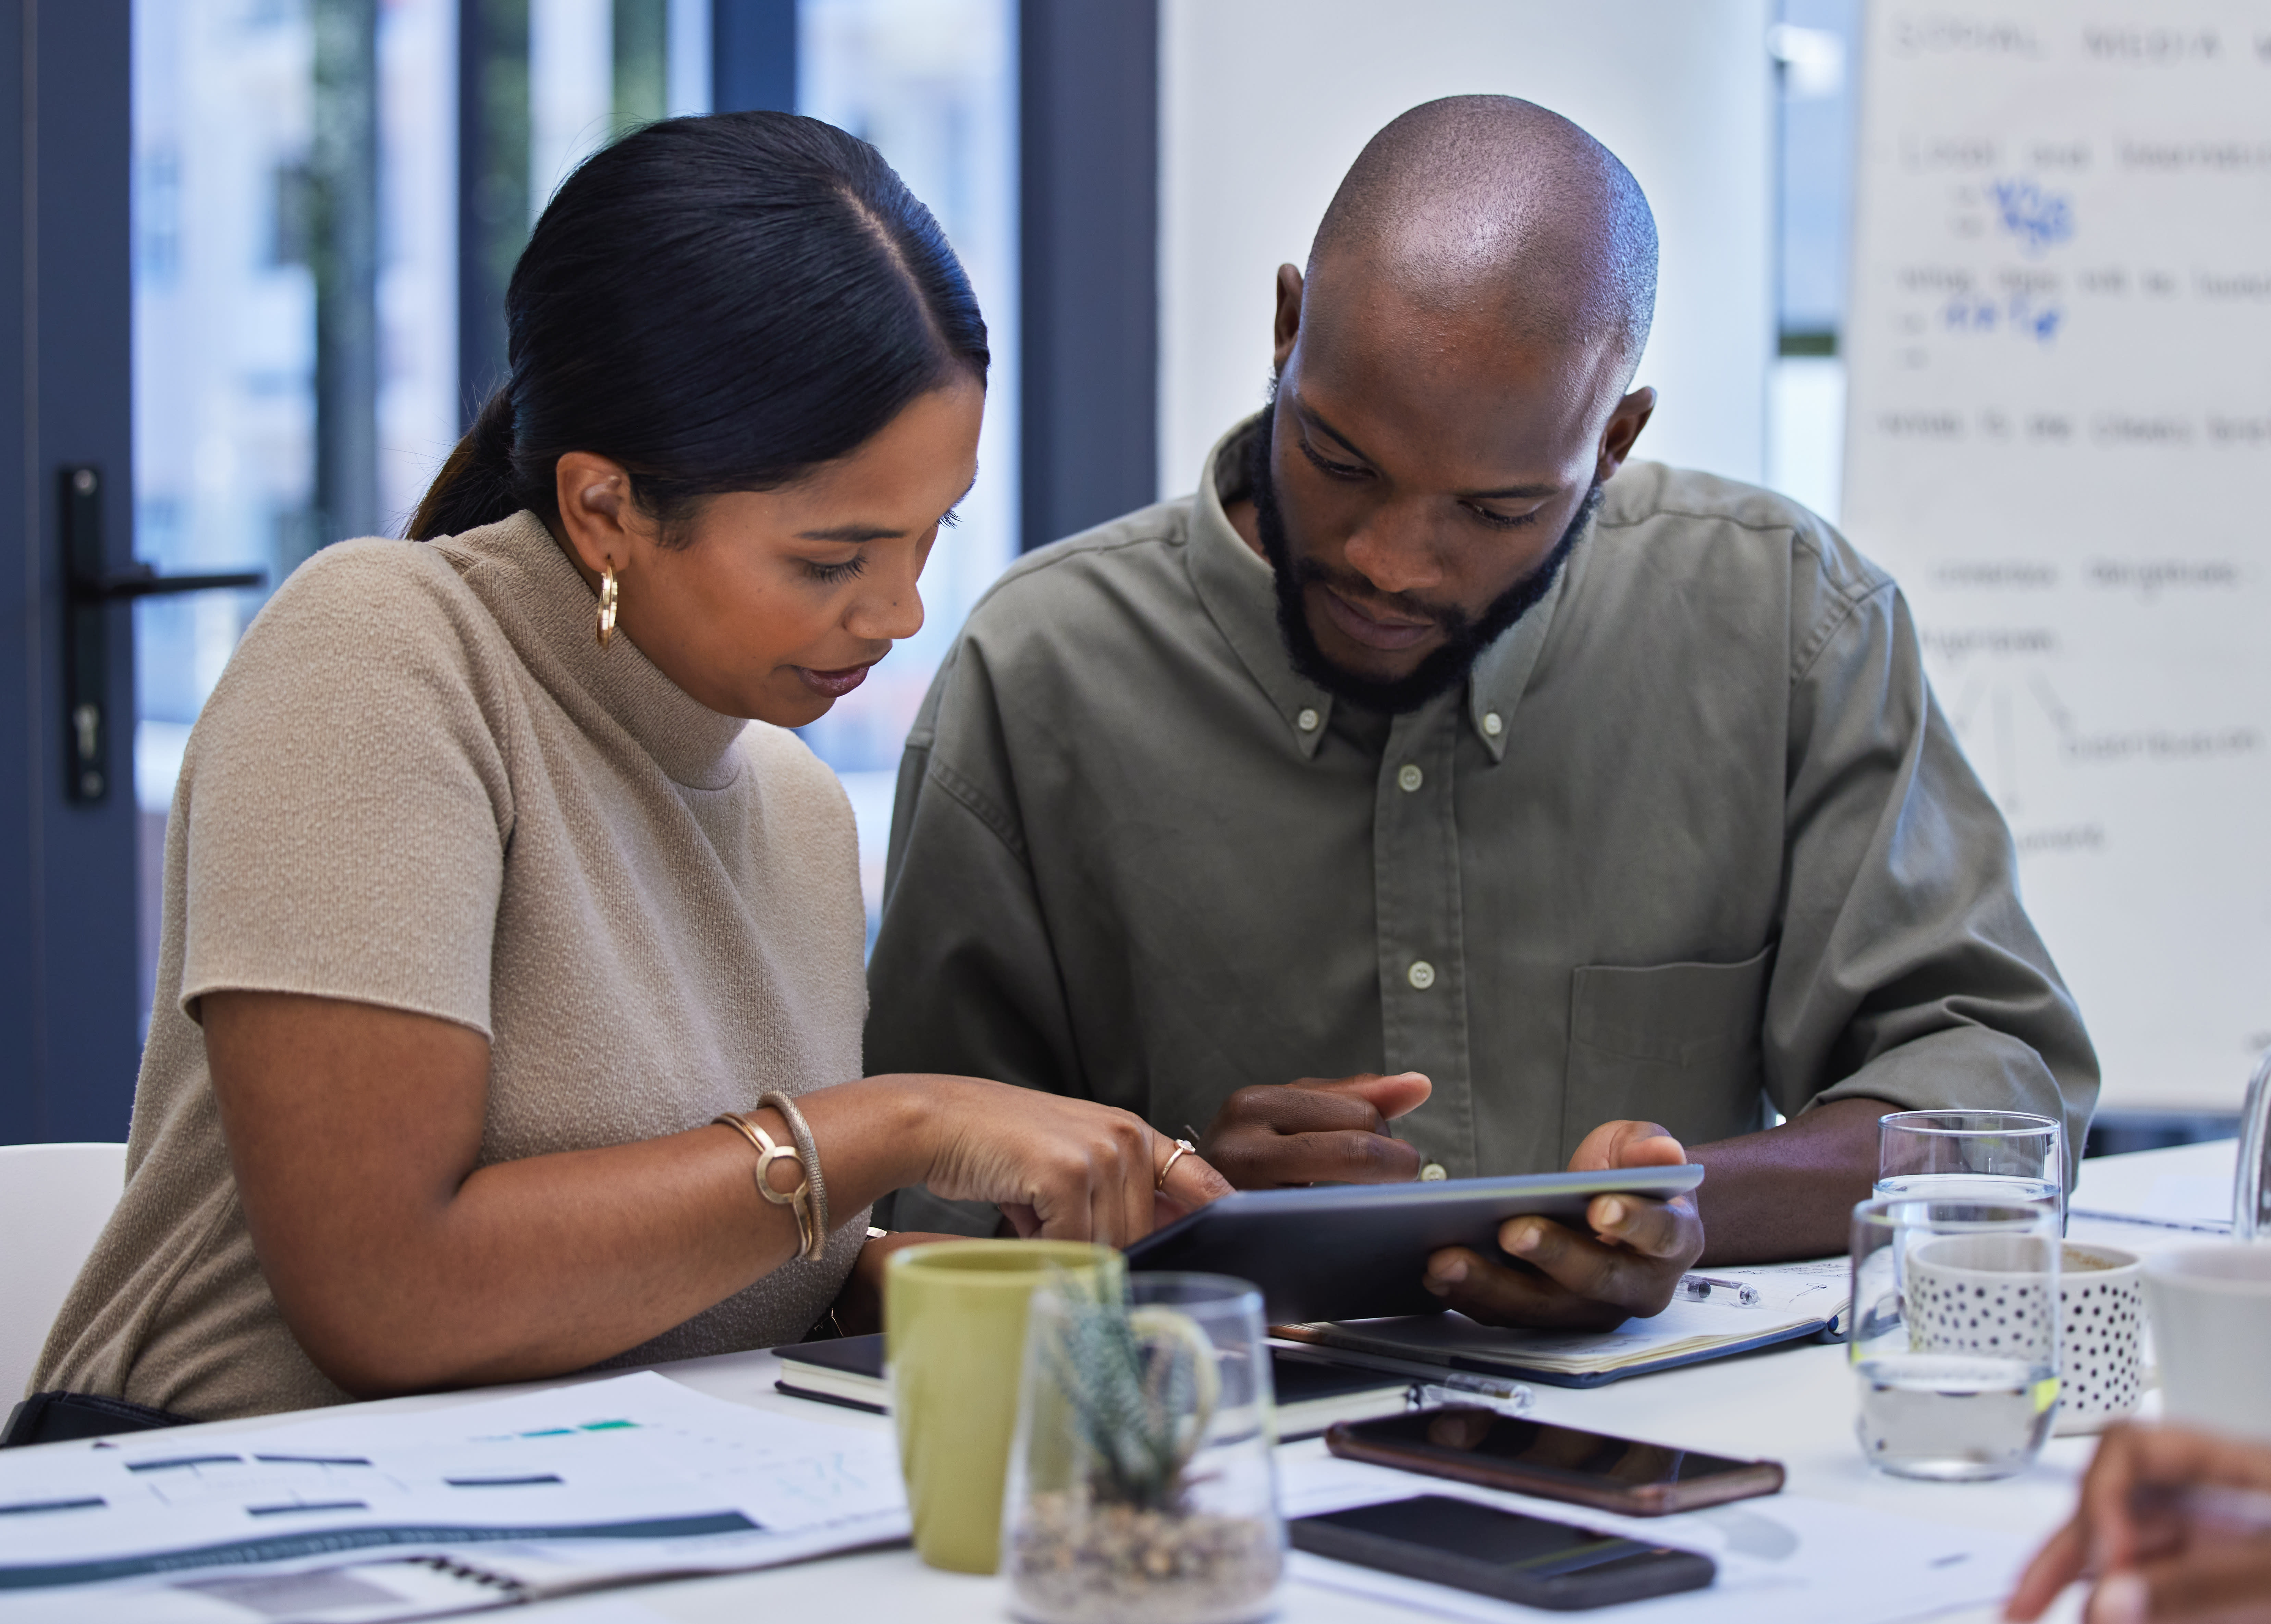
<point x="1297" y="1378"/>
<point x="854" y="1356"/>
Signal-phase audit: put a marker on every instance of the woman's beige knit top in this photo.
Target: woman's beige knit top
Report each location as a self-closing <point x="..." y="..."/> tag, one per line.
<point x="420" y="783"/>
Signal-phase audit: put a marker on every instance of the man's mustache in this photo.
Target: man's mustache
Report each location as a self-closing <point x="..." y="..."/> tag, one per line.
<point x="1365" y="597"/>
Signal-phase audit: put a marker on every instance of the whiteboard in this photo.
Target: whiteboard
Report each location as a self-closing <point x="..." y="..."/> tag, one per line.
<point x="2058" y="439"/>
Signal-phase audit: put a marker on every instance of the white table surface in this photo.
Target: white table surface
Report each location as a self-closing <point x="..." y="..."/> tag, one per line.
<point x="1794" y="1405"/>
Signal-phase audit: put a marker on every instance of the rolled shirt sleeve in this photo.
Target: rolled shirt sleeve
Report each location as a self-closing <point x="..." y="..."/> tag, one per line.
<point x="1907" y="970"/>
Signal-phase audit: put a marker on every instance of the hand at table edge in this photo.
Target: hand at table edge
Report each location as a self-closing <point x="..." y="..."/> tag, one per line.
<point x="2131" y="1531"/>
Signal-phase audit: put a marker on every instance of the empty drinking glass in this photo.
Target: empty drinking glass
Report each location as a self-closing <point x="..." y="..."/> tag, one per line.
<point x="1971" y="1155"/>
<point x="1954" y="1335"/>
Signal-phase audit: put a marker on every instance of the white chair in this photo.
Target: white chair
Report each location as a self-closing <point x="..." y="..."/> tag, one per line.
<point x="53" y="1201"/>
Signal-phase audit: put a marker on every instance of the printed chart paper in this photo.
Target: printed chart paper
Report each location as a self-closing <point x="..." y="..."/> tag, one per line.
<point x="528" y="1496"/>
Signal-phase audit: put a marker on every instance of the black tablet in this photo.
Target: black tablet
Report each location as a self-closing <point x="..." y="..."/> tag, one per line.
<point x="1357" y="1251"/>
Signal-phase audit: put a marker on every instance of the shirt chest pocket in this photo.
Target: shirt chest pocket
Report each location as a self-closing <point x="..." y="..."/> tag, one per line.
<point x="1674" y="1044"/>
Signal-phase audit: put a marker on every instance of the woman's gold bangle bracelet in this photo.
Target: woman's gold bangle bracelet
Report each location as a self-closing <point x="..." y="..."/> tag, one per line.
<point x="808" y="1201"/>
<point x="808" y="1154"/>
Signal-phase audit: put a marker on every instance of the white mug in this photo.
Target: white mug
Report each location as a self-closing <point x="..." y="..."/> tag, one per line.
<point x="2212" y="1325"/>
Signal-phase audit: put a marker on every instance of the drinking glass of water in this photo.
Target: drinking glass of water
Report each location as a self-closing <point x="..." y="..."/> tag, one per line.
<point x="1954" y="1335"/>
<point x="1971" y="1155"/>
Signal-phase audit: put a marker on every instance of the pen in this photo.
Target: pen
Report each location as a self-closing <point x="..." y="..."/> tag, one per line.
<point x="1457" y="1387"/>
<point x="1700" y="1288"/>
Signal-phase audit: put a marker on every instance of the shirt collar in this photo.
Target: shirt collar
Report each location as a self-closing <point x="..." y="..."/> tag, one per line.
<point x="1233" y="584"/>
<point x="1495" y="686"/>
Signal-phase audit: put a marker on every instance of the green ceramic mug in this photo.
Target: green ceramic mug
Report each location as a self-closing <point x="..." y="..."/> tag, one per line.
<point x="954" y="1348"/>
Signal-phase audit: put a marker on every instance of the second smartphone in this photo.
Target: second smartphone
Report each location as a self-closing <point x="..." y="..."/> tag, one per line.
<point x="1553" y="1462"/>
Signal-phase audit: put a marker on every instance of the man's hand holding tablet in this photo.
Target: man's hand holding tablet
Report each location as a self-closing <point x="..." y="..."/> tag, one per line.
<point x="1629" y="1265"/>
<point x="1334" y="1131"/>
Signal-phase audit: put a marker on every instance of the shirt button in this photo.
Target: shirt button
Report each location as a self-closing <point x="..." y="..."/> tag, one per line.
<point x="1433" y="1173"/>
<point x="1421" y="975"/>
<point x="1493" y="724"/>
<point x="1307" y="721"/>
<point x="1408" y="777"/>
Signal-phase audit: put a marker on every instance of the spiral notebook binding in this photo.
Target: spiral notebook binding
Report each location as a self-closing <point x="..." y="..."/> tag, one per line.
<point x="510" y="1586"/>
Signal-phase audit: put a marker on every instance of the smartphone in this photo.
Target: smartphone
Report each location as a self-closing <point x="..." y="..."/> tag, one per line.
<point x="1502" y="1553"/>
<point x="1553" y="1462"/>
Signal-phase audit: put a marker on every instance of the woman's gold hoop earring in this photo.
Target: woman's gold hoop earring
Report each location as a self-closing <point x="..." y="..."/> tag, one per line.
<point x="608" y="596"/>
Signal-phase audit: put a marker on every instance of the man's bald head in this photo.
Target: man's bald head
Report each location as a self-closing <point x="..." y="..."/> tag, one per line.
<point x="1451" y="393"/>
<point x="1494" y="207"/>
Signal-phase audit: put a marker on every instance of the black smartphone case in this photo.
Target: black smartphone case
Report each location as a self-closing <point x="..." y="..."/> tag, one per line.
<point x="1649" y="1572"/>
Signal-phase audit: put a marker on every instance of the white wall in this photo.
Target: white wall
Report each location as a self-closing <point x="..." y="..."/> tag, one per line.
<point x="1265" y="103"/>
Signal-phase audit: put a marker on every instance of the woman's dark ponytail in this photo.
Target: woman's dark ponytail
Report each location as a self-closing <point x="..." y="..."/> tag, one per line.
<point x="717" y="304"/>
<point x="476" y="486"/>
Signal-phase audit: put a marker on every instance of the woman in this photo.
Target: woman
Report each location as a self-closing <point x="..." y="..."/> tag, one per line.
<point x="481" y="899"/>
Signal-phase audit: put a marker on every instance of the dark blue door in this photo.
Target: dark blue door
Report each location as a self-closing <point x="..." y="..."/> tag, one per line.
<point x="70" y="1022"/>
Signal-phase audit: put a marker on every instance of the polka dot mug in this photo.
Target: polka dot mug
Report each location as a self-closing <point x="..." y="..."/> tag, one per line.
<point x="2101" y="1322"/>
<point x="1964" y="1301"/>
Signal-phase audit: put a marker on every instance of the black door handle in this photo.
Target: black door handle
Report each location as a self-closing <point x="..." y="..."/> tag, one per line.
<point x="139" y="580"/>
<point x="86" y="648"/>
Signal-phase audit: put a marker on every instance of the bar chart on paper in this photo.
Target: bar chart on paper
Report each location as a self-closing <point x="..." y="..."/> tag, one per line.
<point x="360" y="1519"/>
<point x="2059" y="442"/>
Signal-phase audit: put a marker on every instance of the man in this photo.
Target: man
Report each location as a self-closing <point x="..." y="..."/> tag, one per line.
<point x="1604" y="804"/>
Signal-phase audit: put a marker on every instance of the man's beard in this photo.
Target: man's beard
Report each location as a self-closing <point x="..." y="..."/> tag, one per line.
<point x="1464" y="638"/>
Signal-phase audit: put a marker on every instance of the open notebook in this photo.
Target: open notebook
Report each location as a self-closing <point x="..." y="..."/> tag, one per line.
<point x="1795" y="1300"/>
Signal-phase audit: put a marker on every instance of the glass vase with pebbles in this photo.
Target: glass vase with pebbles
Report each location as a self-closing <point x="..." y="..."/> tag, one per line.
<point x="1143" y="1489"/>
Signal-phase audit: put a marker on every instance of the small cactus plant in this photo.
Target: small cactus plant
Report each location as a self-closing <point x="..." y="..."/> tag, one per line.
<point x="1141" y="1387"/>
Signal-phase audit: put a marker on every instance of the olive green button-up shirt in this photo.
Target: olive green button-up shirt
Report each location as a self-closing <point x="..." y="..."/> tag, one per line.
<point x="1692" y="843"/>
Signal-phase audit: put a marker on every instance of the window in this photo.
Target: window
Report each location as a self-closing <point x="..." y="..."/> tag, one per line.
<point x="296" y="366"/>
<point x="315" y="315"/>
<point x="932" y="84"/>
<point x="1813" y="45"/>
